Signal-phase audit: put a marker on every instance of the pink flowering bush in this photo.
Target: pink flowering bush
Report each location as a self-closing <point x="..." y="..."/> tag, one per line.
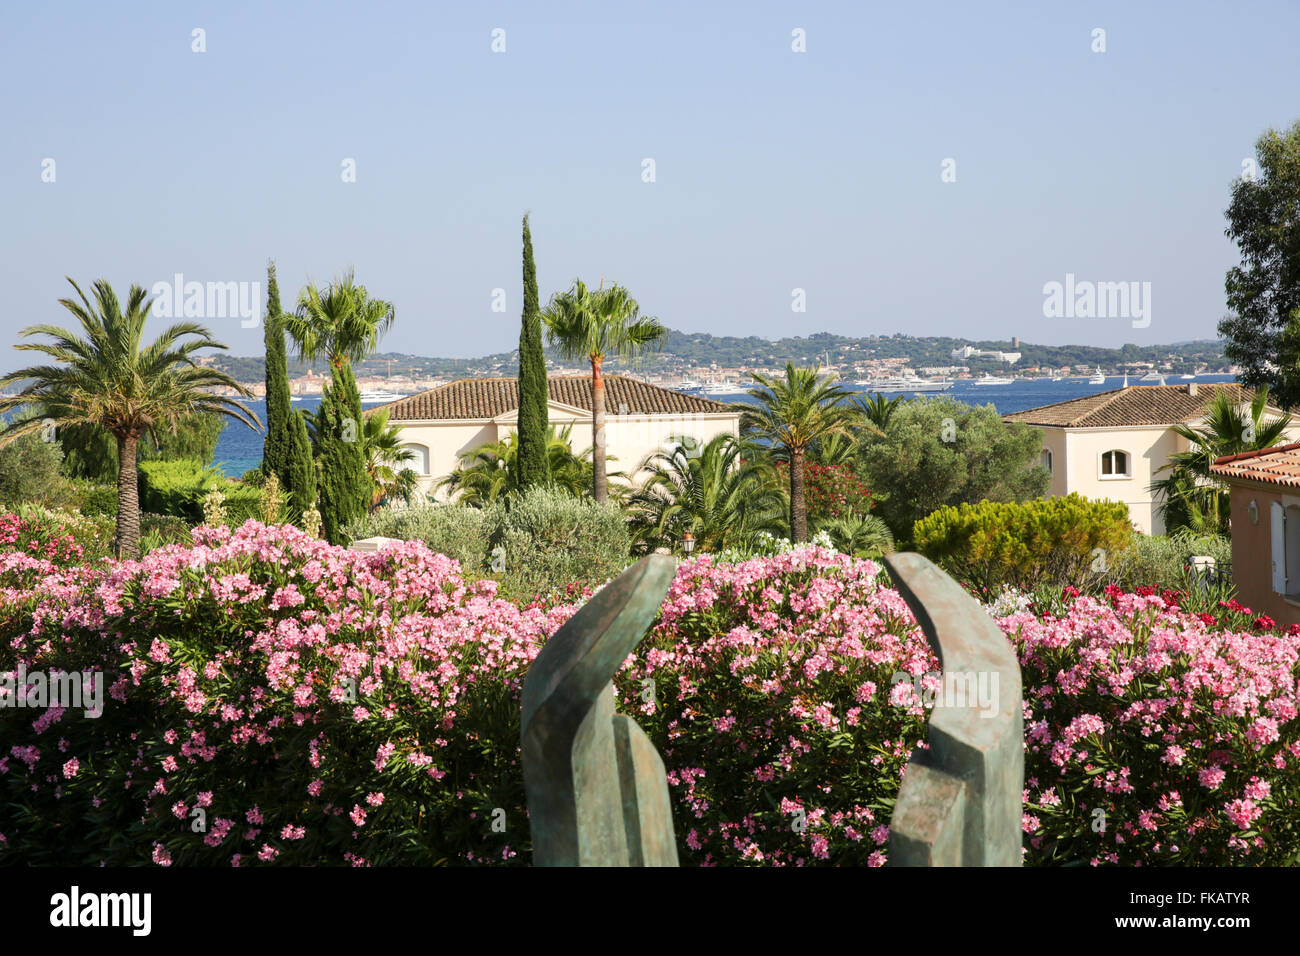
<point x="274" y="700"/>
<point x="1156" y="736"/>
<point x="767" y="686"/>
<point x="270" y="699"/>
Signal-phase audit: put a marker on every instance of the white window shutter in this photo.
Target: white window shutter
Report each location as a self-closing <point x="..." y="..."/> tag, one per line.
<point x="1278" y="534"/>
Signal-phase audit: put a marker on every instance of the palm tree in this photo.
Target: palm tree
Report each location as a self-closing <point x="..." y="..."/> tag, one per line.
<point x="789" y="417"/>
<point x="343" y="324"/>
<point x="876" y="411"/>
<point x="1189" y="495"/>
<point x="381" y="445"/>
<point x="593" y="326"/>
<point x="489" y="472"/>
<point x="863" y="536"/>
<point x="708" y="490"/>
<point x="108" y="379"/>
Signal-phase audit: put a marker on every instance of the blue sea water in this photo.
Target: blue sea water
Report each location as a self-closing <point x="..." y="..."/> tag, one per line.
<point x="239" y="448"/>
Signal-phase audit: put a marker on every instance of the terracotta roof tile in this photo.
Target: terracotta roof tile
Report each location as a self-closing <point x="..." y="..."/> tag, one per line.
<point x="1134" y="405"/>
<point x="1272" y="466"/>
<point x="481" y="398"/>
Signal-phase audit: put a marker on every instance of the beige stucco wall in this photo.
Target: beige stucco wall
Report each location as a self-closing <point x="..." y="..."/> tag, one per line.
<point x="1148" y="447"/>
<point x="629" y="439"/>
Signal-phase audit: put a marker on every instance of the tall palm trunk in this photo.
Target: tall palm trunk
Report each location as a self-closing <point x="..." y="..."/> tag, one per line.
<point x="601" y="484"/>
<point x="798" y="507"/>
<point x="127" y="543"/>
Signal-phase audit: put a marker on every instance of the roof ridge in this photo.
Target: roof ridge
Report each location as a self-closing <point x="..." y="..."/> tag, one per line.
<point x="1257" y="453"/>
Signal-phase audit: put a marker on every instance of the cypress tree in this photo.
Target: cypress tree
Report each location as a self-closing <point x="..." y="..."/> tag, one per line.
<point x="344" y="483"/>
<point x="276" y="446"/>
<point x="299" y="479"/>
<point x="531" y="464"/>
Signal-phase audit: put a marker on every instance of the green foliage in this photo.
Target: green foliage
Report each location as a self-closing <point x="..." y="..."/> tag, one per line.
<point x="29" y="471"/>
<point x="454" y="530"/>
<point x="790" y="417"/>
<point x="1025" y="544"/>
<point x="1161" y="562"/>
<point x="300" y="476"/>
<point x="381" y="447"/>
<point x="93" y="500"/>
<point x="941" y="452"/>
<point x="345" y="487"/>
<point x="533" y="396"/>
<point x="861" y="535"/>
<point x="594" y="325"/>
<point x="176" y="487"/>
<point x="89" y="452"/>
<point x="706" y="489"/>
<point x="1263" y="292"/>
<point x="552" y="539"/>
<point x="1189" y="496"/>
<point x="189" y="436"/>
<point x="276" y="446"/>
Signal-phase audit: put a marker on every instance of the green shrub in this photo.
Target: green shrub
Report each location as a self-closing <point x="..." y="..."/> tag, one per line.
<point x="1050" y="540"/>
<point x="92" y="499"/>
<point x="548" y="539"/>
<point x="178" y="488"/>
<point x="457" y="531"/>
<point x="29" y="473"/>
<point x="1160" y="562"/>
<point x="552" y="539"/>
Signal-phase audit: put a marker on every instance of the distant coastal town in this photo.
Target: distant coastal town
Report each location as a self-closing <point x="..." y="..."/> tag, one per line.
<point x="722" y="365"/>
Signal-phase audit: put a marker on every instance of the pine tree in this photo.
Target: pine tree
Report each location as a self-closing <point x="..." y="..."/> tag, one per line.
<point x="345" y="489"/>
<point x="276" y="446"/>
<point x="532" y="379"/>
<point x="300" y="472"/>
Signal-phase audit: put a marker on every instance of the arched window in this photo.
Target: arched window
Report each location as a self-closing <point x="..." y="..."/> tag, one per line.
<point x="420" y="463"/>
<point x="1116" y="464"/>
<point x="1045" y="459"/>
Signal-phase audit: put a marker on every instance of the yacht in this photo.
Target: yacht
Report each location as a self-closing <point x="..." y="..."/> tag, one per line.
<point x="1098" y="379"/>
<point x="911" y="383"/>
<point x="1153" y="378"/>
<point x="690" y="385"/>
<point x="377" y="395"/>
<point x="1189" y="377"/>
<point x="722" y="388"/>
<point x="987" y="379"/>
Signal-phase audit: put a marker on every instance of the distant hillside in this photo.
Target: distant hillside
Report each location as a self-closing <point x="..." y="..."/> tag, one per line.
<point x="686" y="350"/>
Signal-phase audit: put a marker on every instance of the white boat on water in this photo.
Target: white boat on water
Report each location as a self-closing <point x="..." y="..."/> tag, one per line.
<point x="904" y="384"/>
<point x="1098" y="379"/>
<point x="987" y="379"/>
<point x="375" y="395"/>
<point x="723" y="388"/>
<point x="1187" y="376"/>
<point x="1153" y="378"/>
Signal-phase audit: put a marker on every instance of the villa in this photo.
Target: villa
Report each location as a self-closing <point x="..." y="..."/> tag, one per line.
<point x="444" y="424"/>
<point x="1112" y="445"/>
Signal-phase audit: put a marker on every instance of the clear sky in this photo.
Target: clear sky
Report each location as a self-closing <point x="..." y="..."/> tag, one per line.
<point x="774" y="170"/>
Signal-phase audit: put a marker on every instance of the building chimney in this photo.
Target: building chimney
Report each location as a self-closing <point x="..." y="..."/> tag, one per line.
<point x="1192" y="388"/>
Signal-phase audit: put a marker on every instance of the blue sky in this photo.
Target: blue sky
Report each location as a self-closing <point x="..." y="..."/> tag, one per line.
<point x="774" y="170"/>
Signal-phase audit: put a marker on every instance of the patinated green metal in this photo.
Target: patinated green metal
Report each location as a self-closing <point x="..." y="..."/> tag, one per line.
<point x="960" y="801"/>
<point x="597" y="790"/>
